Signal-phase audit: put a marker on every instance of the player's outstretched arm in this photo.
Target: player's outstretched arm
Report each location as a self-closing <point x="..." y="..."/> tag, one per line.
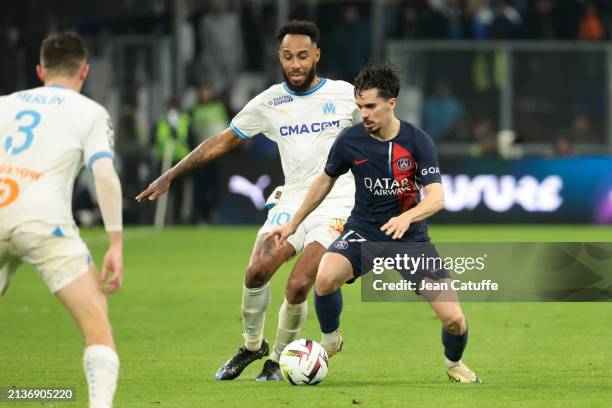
<point x="431" y="204"/>
<point x="211" y="148"/>
<point x="319" y="189"/>
<point x="108" y="190"/>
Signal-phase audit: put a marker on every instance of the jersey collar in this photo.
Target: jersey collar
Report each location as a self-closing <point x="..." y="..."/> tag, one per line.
<point x="56" y="86"/>
<point x="308" y="91"/>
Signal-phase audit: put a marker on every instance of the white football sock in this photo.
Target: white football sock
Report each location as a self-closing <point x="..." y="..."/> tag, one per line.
<point x="101" y="365"/>
<point x="291" y="319"/>
<point x="255" y="302"/>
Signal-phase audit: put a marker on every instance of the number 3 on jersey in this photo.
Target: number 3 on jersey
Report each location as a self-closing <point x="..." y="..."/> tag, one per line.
<point x="31" y="116"/>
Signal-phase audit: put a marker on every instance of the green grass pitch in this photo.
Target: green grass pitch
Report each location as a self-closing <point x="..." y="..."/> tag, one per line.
<point x="177" y="319"/>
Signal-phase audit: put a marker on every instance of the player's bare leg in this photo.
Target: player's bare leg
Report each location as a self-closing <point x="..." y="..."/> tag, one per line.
<point x="86" y="302"/>
<point x="292" y="314"/>
<point x="334" y="271"/>
<point x="454" y="332"/>
<point x="265" y="260"/>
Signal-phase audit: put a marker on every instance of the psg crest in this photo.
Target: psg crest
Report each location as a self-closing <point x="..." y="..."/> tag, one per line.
<point x="341" y="244"/>
<point x="403" y="164"/>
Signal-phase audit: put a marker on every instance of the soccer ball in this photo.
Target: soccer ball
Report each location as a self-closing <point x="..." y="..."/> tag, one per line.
<point x="304" y="362"/>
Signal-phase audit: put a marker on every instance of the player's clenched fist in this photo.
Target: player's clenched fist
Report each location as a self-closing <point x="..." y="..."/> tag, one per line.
<point x="112" y="270"/>
<point x="396" y="226"/>
<point x="156" y="188"/>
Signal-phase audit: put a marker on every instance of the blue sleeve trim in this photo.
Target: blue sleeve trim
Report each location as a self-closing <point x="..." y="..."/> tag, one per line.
<point x="99" y="155"/>
<point x="238" y="132"/>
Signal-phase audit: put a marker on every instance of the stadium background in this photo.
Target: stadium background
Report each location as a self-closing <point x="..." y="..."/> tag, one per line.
<point x="517" y="97"/>
<point x="517" y="91"/>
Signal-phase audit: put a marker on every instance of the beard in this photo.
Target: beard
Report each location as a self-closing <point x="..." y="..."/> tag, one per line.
<point x="309" y="77"/>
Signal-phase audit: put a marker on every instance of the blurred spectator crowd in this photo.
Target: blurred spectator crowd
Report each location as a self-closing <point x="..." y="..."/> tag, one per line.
<point x="225" y="53"/>
<point x="587" y="20"/>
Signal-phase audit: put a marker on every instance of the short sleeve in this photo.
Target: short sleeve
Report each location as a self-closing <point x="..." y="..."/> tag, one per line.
<point x="428" y="169"/>
<point x="337" y="164"/>
<point x="250" y="121"/>
<point x="356" y="117"/>
<point x="350" y="97"/>
<point x="100" y="141"/>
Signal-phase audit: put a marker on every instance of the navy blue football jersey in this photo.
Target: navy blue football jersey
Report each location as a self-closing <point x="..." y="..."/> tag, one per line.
<point x="388" y="174"/>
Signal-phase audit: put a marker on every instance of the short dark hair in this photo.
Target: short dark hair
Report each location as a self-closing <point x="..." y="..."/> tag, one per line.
<point x="62" y="53"/>
<point x="299" y="27"/>
<point x="382" y="76"/>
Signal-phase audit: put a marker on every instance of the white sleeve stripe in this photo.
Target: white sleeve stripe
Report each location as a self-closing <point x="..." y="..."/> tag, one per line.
<point x="238" y="132"/>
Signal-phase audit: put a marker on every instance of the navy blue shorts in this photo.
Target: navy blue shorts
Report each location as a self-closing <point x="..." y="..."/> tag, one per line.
<point x="350" y="244"/>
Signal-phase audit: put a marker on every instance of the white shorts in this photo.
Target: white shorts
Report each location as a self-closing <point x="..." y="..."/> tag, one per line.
<point x="57" y="252"/>
<point x="323" y="225"/>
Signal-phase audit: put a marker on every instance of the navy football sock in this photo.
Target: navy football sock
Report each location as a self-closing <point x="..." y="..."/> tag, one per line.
<point x="328" y="310"/>
<point x="453" y="344"/>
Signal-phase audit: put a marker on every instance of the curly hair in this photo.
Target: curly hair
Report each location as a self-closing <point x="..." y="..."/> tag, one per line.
<point x="299" y="27"/>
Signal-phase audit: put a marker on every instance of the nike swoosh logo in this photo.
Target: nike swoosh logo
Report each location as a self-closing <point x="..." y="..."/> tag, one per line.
<point x="358" y="162"/>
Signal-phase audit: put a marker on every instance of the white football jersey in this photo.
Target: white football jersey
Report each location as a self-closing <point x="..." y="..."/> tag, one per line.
<point x="304" y="125"/>
<point x="46" y="134"/>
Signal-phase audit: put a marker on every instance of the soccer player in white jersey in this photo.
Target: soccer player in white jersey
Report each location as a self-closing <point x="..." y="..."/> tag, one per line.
<point x="46" y="135"/>
<point x="303" y="116"/>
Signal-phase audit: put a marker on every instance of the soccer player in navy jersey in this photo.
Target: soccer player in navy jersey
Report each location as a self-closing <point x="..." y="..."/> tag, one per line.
<point x="391" y="161"/>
